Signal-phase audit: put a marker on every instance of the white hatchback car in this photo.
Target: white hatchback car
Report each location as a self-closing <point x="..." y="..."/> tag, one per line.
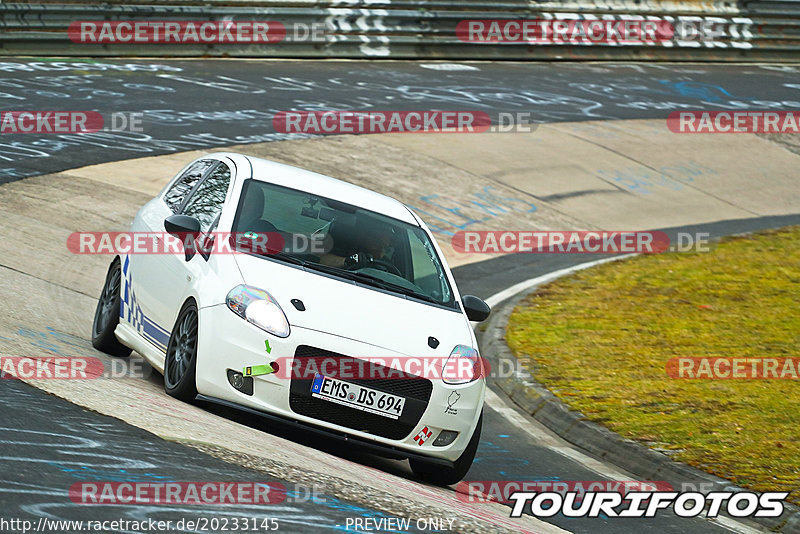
<point x="279" y="330"/>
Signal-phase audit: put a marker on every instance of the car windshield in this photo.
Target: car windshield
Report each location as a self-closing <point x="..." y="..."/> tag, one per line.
<point x="343" y="240"/>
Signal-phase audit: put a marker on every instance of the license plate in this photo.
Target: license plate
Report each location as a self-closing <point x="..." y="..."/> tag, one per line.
<point x="358" y="397"/>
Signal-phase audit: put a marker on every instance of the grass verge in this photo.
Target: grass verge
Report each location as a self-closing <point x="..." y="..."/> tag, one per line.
<point x="600" y="340"/>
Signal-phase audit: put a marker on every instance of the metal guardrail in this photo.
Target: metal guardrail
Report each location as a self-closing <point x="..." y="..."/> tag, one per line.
<point x="414" y="29"/>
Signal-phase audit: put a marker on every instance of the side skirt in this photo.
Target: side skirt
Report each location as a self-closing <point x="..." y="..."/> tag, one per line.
<point x="131" y="338"/>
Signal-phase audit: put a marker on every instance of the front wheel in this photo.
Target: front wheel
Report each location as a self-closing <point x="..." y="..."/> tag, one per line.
<point x="444" y="476"/>
<point x="180" y="362"/>
<point x="106" y="315"/>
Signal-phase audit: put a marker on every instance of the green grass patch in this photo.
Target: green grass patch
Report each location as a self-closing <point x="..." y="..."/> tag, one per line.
<point x="600" y="341"/>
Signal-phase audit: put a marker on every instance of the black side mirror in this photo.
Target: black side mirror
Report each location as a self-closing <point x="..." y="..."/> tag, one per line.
<point x="475" y="308"/>
<point x="185" y="228"/>
<point x="178" y="225"/>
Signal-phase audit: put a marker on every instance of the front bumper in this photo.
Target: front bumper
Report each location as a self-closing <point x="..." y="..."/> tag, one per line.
<point x="226" y="342"/>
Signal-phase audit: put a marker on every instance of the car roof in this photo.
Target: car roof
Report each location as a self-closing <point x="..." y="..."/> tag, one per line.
<point x="296" y="178"/>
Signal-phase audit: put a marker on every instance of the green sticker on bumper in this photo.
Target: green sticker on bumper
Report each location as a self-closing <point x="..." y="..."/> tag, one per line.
<point x="258" y="370"/>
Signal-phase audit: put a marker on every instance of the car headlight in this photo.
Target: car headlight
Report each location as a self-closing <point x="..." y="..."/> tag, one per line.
<point x="256" y="306"/>
<point x="462" y="366"/>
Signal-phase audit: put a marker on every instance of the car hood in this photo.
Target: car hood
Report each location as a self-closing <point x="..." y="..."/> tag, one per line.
<point x="342" y="308"/>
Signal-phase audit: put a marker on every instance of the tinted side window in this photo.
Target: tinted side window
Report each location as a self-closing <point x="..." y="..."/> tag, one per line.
<point x="206" y="202"/>
<point x="175" y="195"/>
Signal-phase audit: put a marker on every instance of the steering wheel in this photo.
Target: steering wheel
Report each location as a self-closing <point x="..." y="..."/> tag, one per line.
<point x="386" y="266"/>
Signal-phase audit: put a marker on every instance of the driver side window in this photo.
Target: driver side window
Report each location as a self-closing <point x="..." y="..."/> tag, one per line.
<point x="206" y="202"/>
<point x="176" y="194"/>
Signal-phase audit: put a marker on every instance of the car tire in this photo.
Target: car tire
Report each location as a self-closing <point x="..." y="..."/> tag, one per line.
<point x="180" y="362"/>
<point x="106" y="315"/>
<point x="445" y="476"/>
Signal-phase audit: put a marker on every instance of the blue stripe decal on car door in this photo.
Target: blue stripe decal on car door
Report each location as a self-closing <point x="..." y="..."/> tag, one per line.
<point x="131" y="312"/>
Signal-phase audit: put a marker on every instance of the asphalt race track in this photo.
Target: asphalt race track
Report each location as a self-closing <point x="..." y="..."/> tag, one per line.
<point x="48" y="443"/>
<point x="232" y="102"/>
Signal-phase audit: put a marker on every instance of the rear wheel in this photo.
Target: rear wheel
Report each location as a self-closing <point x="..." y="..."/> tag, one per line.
<point x="181" y="359"/>
<point x="106" y="315"/>
<point x="444" y="476"/>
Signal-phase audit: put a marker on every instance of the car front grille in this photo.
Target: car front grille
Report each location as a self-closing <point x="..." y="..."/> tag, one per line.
<point x="416" y="391"/>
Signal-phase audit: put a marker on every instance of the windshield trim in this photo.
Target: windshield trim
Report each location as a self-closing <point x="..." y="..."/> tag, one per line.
<point x="452" y="304"/>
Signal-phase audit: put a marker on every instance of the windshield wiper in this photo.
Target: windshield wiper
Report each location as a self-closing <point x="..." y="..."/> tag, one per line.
<point x="288" y="258"/>
<point x="329" y="269"/>
<point x="375" y="281"/>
